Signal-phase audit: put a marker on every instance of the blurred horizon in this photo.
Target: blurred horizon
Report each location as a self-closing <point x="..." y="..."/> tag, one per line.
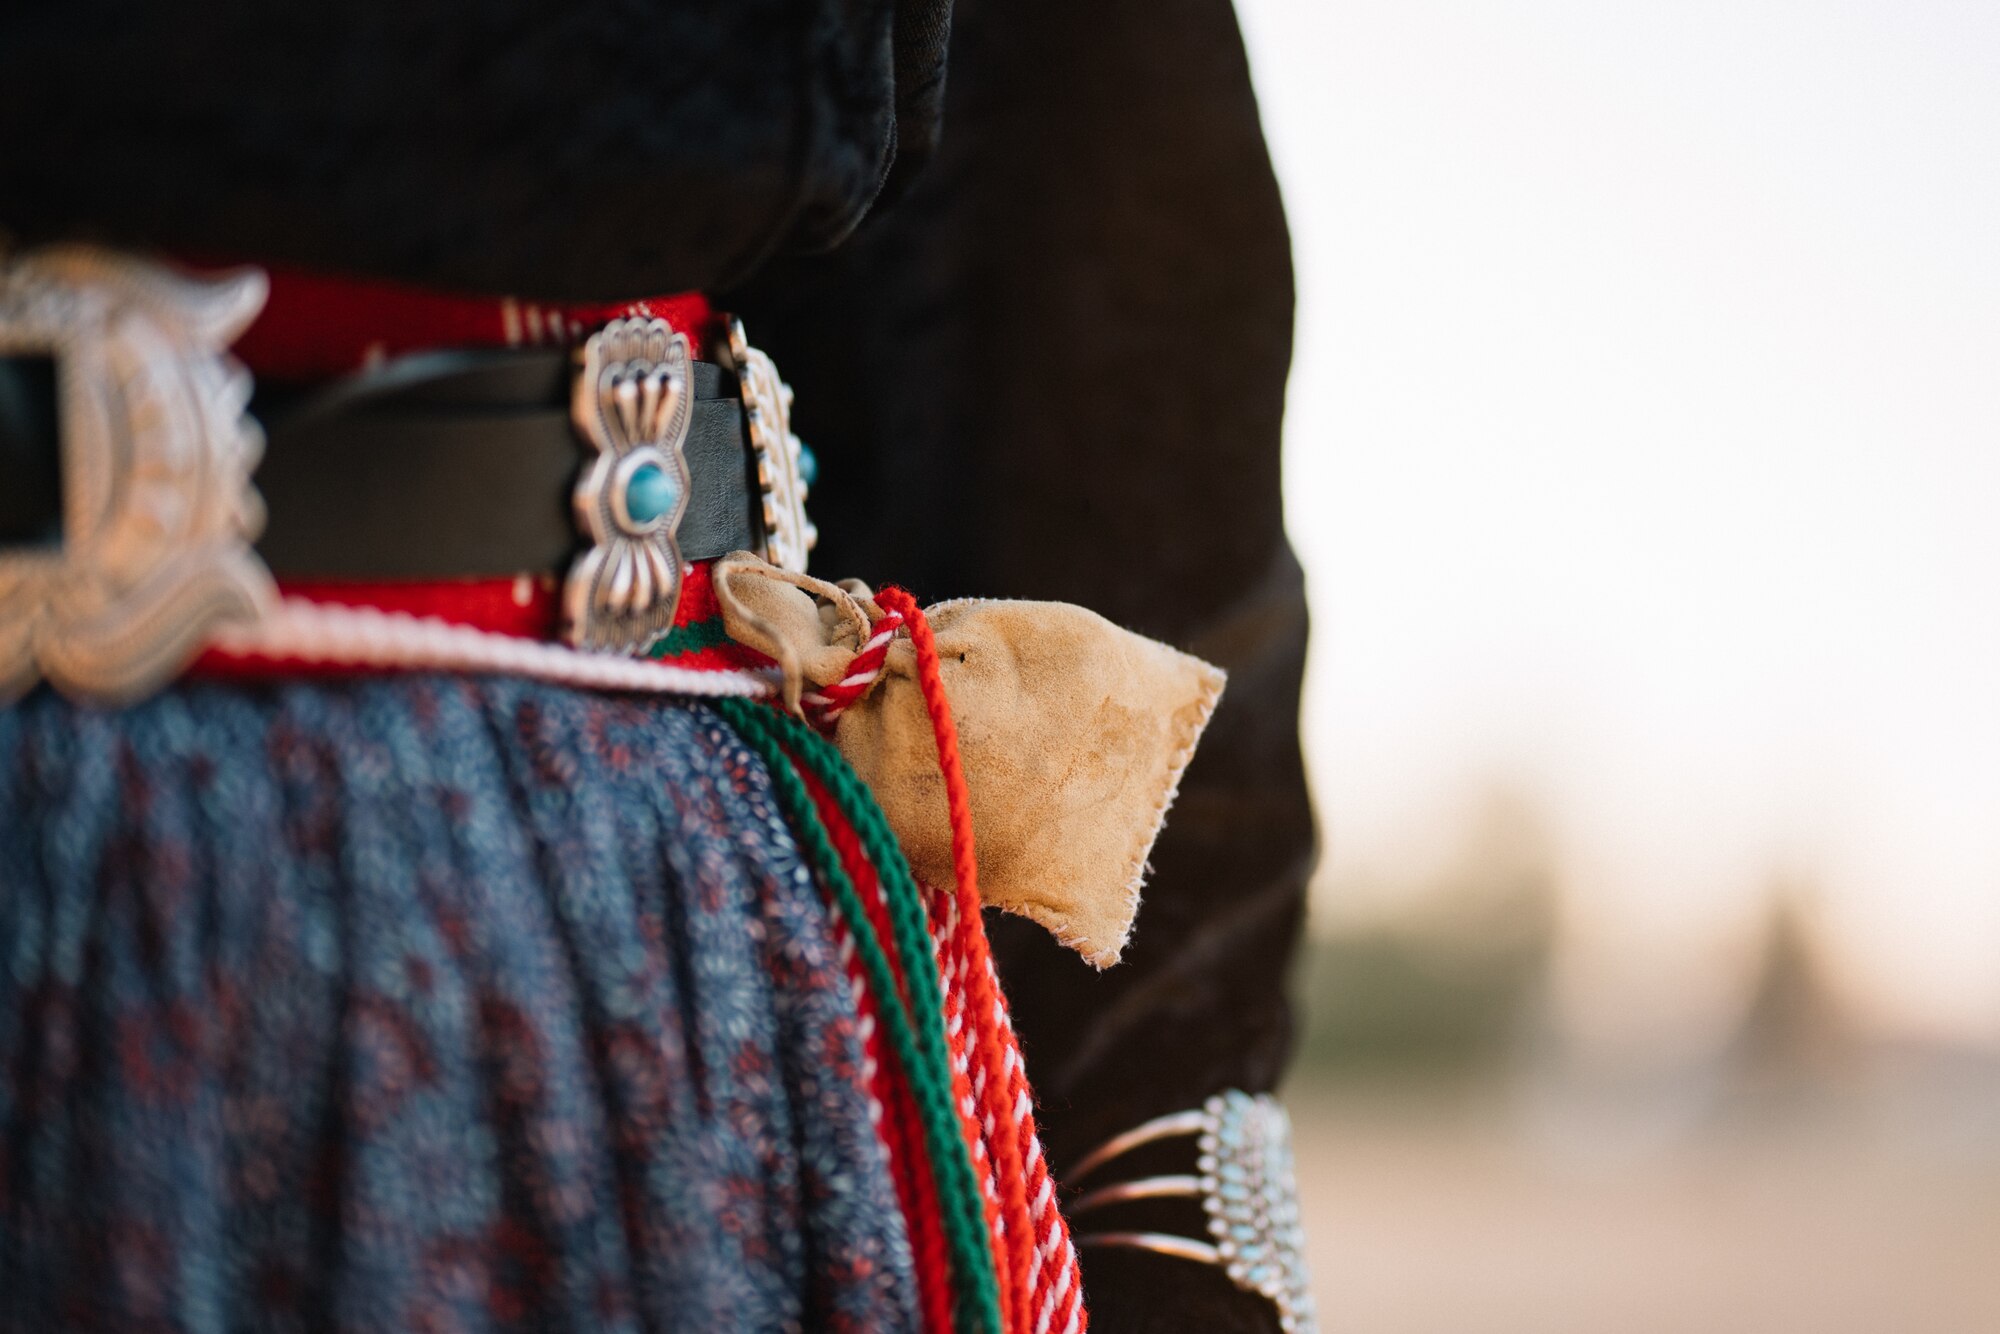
<point x="1640" y="455"/>
<point x="1466" y="1162"/>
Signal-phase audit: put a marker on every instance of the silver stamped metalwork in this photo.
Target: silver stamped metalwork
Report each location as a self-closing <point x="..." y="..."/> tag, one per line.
<point x="1248" y="1191"/>
<point x="633" y="400"/>
<point x="789" y="536"/>
<point x="1251" y="1196"/>
<point x="158" y="513"/>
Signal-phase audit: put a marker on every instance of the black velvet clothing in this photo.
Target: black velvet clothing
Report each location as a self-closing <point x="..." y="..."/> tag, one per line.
<point x="582" y="151"/>
<point x="1054" y="368"/>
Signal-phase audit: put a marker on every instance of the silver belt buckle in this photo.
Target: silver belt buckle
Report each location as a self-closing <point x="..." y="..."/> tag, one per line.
<point x="155" y="455"/>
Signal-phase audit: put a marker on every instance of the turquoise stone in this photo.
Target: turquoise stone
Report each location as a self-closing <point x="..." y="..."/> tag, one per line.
<point x="650" y="493"/>
<point x="808" y="465"/>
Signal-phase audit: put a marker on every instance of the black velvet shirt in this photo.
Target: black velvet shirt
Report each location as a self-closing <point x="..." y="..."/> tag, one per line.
<point x="598" y="149"/>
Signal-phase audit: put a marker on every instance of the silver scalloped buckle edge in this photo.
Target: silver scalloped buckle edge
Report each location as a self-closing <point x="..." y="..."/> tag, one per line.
<point x="158" y="513"/>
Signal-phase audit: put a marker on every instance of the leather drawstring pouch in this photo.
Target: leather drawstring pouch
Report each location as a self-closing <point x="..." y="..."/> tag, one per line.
<point x="1073" y="734"/>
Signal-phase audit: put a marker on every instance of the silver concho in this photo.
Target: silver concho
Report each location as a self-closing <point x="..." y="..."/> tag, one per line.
<point x="632" y="404"/>
<point x="1251" y="1196"/>
<point x="1247" y="1188"/>
<point x="767" y="409"/>
<point x="157" y="509"/>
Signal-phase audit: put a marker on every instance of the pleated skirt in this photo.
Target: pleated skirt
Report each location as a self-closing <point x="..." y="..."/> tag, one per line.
<point x="422" y="1003"/>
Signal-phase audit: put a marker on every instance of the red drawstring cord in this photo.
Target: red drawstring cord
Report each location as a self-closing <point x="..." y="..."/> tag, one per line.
<point x="971" y="937"/>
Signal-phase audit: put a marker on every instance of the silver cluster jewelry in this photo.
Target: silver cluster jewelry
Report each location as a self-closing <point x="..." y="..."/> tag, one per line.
<point x="633" y="400"/>
<point x="155" y="452"/>
<point x="1248" y="1191"/>
<point x="789" y="536"/>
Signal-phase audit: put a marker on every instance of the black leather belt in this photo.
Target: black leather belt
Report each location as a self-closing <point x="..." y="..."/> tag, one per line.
<point x="461" y="465"/>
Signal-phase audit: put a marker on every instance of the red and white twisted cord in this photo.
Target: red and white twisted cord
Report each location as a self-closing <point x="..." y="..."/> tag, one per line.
<point x="1005" y="1106"/>
<point x="825" y="705"/>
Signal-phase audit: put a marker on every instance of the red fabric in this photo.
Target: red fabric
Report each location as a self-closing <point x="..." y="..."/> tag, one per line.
<point x="316" y="327"/>
<point x="527" y="606"/>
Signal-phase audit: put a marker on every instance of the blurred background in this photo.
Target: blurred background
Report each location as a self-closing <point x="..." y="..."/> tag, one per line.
<point x="1642" y="455"/>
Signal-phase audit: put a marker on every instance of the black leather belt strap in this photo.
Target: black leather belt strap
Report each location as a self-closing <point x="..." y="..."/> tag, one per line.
<point x="460" y="465"/>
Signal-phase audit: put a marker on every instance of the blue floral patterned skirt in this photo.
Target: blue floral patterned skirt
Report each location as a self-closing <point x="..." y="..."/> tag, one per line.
<point x="422" y="1003"/>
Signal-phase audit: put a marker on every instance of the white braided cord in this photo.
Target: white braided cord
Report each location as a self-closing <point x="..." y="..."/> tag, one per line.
<point x="332" y="635"/>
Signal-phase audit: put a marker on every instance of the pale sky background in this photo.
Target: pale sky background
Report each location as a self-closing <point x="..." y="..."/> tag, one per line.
<point x="1642" y="451"/>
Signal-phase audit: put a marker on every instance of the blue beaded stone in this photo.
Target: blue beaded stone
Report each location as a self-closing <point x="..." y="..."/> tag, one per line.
<point x="808" y="465"/>
<point x="650" y="493"/>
